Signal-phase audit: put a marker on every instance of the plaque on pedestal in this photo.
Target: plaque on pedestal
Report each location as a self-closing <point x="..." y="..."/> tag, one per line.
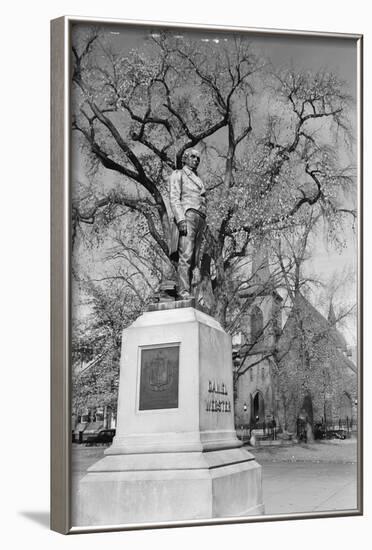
<point x="159" y="378"/>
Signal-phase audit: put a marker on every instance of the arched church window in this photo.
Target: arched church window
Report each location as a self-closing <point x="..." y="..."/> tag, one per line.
<point x="256" y="324"/>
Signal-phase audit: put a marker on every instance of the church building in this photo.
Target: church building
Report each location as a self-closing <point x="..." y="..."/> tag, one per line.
<point x="292" y="375"/>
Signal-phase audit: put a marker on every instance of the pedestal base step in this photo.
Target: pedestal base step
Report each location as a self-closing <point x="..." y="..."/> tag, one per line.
<point x="166" y="487"/>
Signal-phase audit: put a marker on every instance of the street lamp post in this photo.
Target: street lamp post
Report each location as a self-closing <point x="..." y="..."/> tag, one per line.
<point x="245" y="434"/>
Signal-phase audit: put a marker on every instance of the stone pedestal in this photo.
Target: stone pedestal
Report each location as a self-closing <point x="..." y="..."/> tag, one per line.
<point x="175" y="456"/>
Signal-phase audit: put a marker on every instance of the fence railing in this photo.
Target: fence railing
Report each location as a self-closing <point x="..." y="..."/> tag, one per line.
<point x="270" y="431"/>
<point x="264" y="430"/>
<point x="348" y="424"/>
<point x="342" y="427"/>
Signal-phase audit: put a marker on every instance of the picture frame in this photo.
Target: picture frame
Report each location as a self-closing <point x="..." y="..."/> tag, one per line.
<point x="63" y="155"/>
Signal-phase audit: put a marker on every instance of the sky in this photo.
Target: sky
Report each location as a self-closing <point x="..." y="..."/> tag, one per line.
<point x="313" y="52"/>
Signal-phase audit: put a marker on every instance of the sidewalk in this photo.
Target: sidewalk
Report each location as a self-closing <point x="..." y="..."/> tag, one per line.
<point x="330" y="451"/>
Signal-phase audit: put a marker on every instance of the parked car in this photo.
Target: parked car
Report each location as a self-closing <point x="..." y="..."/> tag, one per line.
<point x="103" y="437"/>
<point x="336" y="434"/>
<point x="319" y="431"/>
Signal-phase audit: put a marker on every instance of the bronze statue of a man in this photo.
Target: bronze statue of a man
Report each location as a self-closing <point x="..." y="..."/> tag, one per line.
<point x="188" y="205"/>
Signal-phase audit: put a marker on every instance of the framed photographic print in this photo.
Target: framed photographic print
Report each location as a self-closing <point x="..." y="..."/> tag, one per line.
<point x="206" y="274"/>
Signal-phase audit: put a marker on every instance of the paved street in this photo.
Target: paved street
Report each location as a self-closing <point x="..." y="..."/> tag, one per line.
<point x="301" y="487"/>
<point x="316" y="477"/>
<point x="300" y="478"/>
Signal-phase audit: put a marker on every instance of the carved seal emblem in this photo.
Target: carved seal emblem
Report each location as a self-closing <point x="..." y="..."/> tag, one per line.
<point x="160" y="373"/>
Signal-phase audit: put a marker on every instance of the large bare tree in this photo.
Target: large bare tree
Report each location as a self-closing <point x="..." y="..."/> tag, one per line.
<point x="265" y="159"/>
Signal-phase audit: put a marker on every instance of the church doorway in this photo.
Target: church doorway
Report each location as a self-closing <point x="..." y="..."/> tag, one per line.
<point x="345" y="419"/>
<point x="258" y="408"/>
<point x="305" y="420"/>
<point x="345" y="408"/>
<point x="306" y="412"/>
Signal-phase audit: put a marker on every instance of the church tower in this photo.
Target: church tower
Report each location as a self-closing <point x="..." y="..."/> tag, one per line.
<point x="254" y="345"/>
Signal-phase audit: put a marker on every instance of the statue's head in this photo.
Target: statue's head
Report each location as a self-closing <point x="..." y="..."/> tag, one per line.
<point x="191" y="158"/>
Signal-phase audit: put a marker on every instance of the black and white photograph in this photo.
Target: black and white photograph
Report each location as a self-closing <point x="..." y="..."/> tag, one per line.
<point x="214" y="275"/>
